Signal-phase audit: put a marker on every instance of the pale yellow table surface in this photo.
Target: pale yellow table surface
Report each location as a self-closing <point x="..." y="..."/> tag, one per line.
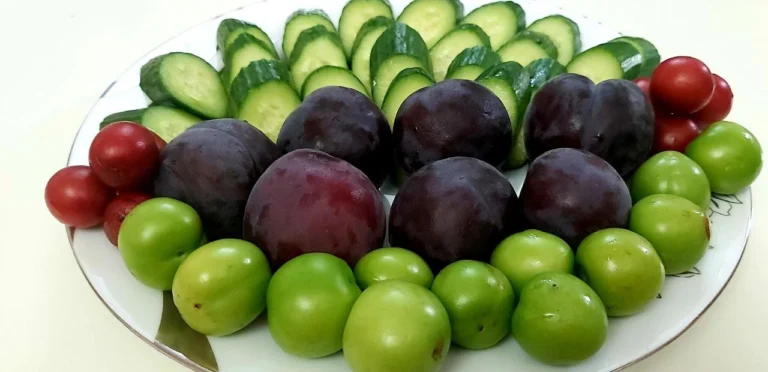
<point x="58" y="56"/>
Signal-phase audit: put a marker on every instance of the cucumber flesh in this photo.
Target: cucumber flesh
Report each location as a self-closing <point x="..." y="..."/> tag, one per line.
<point x="300" y="21"/>
<point x="432" y="18"/>
<point x="355" y="14"/>
<point x="388" y="71"/>
<point x="612" y="60"/>
<point x="501" y="20"/>
<point x="527" y="47"/>
<point x="511" y="83"/>
<point x="244" y="50"/>
<point x="229" y="29"/>
<point x="398" y="48"/>
<point x="564" y="34"/>
<point x="166" y="122"/>
<point x="471" y="62"/>
<point x="519" y="155"/>
<point x="331" y="76"/>
<point x="361" y="51"/>
<point x="315" y="48"/>
<point x="460" y="38"/>
<point x="187" y="81"/>
<point x="403" y="85"/>
<point x="648" y="52"/>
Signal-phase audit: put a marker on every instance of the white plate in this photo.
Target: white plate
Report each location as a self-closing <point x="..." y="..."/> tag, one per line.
<point x="151" y="314"/>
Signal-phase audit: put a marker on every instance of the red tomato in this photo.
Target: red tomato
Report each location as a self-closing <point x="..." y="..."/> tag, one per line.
<point x="673" y="133"/>
<point x="124" y="155"/>
<point x="682" y="84"/>
<point x="117" y="209"/>
<point x="76" y="197"/>
<point x="159" y="142"/>
<point x="718" y="107"/>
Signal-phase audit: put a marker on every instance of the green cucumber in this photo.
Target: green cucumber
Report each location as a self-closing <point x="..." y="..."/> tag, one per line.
<point x="355" y="14"/>
<point x="563" y="32"/>
<point x="262" y="95"/>
<point x="432" y="19"/>
<point x="361" y="50"/>
<point x="611" y="60"/>
<point x="542" y="71"/>
<point x="244" y="49"/>
<point x="315" y="48"/>
<point x="398" y="48"/>
<point x="519" y="155"/>
<point x="229" y="29"/>
<point x="648" y="53"/>
<point x="299" y="21"/>
<point x="331" y="76"/>
<point x="501" y="20"/>
<point x="527" y="47"/>
<point x="166" y="122"/>
<point x="403" y="85"/>
<point x="471" y="62"/>
<point x="187" y="81"/>
<point x="461" y="37"/>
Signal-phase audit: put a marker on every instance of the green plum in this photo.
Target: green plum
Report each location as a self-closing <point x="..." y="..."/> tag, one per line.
<point x="155" y="237"/>
<point x="560" y="320"/>
<point x="479" y="301"/>
<point x="397" y="326"/>
<point x="222" y="286"/>
<point x="678" y="230"/>
<point x="392" y="264"/>
<point x="623" y="269"/>
<point x="730" y="155"/>
<point x="671" y="172"/>
<point x="308" y="301"/>
<point x="529" y="253"/>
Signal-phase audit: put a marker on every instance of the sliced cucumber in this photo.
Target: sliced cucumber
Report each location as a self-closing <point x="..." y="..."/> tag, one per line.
<point x="432" y="18"/>
<point x="542" y="71"/>
<point x="300" y="21"/>
<point x="355" y="14"/>
<point x="519" y="155"/>
<point x="510" y="81"/>
<point x="461" y="37"/>
<point x="527" y="47"/>
<point x="361" y="50"/>
<point x="167" y="122"/>
<point x="501" y="20"/>
<point x="648" y="52"/>
<point x="612" y="60"/>
<point x="245" y="49"/>
<point x="315" y="48"/>
<point x="398" y="48"/>
<point x="187" y="81"/>
<point x="229" y="29"/>
<point x="403" y="85"/>
<point x="331" y="76"/>
<point x="471" y="62"/>
<point x="263" y="96"/>
<point x="563" y="32"/>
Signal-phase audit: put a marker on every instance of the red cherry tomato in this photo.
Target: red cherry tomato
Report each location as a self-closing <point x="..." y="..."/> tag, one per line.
<point x="644" y="83"/>
<point x="682" y="84"/>
<point x="124" y="155"/>
<point x="159" y="142"/>
<point x="117" y="209"/>
<point x="673" y="133"/>
<point x="76" y="197"/>
<point x="718" y="107"/>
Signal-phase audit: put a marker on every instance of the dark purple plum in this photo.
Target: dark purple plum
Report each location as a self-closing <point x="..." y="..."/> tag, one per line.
<point x="572" y="193"/>
<point x="451" y="118"/>
<point x="613" y="120"/>
<point x="212" y="166"/>
<point x="309" y="201"/>
<point x="453" y="209"/>
<point x="344" y="123"/>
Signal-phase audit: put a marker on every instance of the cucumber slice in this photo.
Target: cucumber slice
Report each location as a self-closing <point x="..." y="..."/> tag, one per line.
<point x="527" y="47"/>
<point x="432" y="19"/>
<point x="471" y="62"/>
<point x="510" y="82"/>
<point x="398" y="48"/>
<point x="167" y="122"/>
<point x="519" y="155"/>
<point x="563" y="32"/>
<point x="331" y="76"/>
<point x="315" y="48"/>
<point x="403" y="85"/>
<point x="648" y="53"/>
<point x="229" y="29"/>
<point x="187" y="81"/>
<point x="245" y="49"/>
<point x="355" y="14"/>
<point x="612" y="60"/>
<point x="263" y="96"/>
<point x="300" y="21"/>
<point x="542" y="71"/>
<point x="361" y="50"/>
<point x="501" y="20"/>
<point x="461" y="37"/>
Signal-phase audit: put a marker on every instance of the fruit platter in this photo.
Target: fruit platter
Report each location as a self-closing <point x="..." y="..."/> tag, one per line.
<point x="409" y="185"/>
